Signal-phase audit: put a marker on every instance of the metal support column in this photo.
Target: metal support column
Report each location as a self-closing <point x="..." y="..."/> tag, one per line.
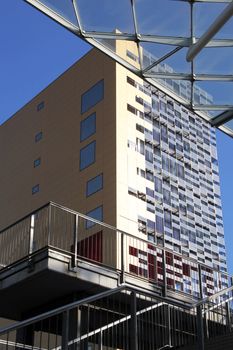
<point x="133" y="323"/>
<point x="122" y="277"/>
<point x="200" y="329"/>
<point x="65" y="330"/>
<point x="74" y="332"/>
<point x="75" y="242"/>
<point x="228" y="316"/>
<point x="168" y="326"/>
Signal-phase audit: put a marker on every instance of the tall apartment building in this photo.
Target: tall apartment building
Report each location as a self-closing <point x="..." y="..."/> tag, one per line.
<point x="103" y="142"/>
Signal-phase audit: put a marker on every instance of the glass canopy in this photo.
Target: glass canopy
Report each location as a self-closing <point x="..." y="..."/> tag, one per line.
<point x="159" y="34"/>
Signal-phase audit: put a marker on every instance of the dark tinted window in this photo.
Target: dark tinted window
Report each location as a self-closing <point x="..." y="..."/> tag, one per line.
<point x="87" y="155"/>
<point x="35" y="189"/>
<point x="88" y="127"/>
<point x="37" y="162"/>
<point x="97" y="214"/>
<point x="94" y="185"/>
<point x="40" y="106"/>
<point x="92" y="96"/>
<point x="38" y="136"/>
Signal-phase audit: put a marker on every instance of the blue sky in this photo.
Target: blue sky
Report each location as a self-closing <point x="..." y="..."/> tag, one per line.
<point x="34" y="50"/>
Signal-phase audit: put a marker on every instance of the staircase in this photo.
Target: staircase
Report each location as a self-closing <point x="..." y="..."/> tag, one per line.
<point x="222" y="342"/>
<point x="126" y="318"/>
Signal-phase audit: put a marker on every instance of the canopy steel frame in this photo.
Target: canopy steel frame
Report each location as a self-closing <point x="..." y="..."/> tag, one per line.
<point x="177" y="43"/>
<point x="209" y="34"/>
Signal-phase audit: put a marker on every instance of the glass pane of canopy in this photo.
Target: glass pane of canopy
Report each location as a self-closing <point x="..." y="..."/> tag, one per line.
<point x="106" y="15"/>
<point x="214" y="61"/>
<point x="152" y="37"/>
<point x="218" y="93"/>
<point x="205" y="14"/>
<point x="163" y="17"/>
<point x="64" y="8"/>
<point x="152" y="53"/>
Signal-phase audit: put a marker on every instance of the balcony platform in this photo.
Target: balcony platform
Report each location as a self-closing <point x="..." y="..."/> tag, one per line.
<point x="55" y="255"/>
<point x="47" y="279"/>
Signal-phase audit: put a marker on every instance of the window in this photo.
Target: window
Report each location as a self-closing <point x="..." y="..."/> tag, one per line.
<point x="176" y="233"/>
<point x="94" y="185"/>
<point x="87" y="155"/>
<point x="38" y="136"/>
<point x="166" y="197"/>
<point x="140" y="146"/>
<point x="35" y="189"/>
<point x="97" y="214"/>
<point x="131" y="109"/>
<point x="167" y="219"/>
<point x="131" y="81"/>
<point x="159" y="224"/>
<point x="92" y="96"/>
<point x="158" y="185"/>
<point x="40" y="106"/>
<point x="132" y="56"/>
<point x="87" y="127"/>
<point x="37" y="162"/>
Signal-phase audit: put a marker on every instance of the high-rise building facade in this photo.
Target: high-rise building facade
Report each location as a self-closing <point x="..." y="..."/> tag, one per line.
<point x="111" y="146"/>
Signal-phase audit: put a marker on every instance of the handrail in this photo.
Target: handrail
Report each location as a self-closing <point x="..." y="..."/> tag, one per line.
<point x="61" y="309"/>
<point x="157" y="302"/>
<point x="217" y="305"/>
<point x="71" y="211"/>
<point x="214" y="296"/>
<point x="160" y="302"/>
<point x="90" y="299"/>
<point x="138" y="239"/>
<point x="110" y="325"/>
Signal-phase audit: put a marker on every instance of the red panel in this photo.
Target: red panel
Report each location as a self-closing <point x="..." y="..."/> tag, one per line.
<point x="133" y="269"/>
<point x="151" y="259"/>
<point x="160" y="270"/>
<point x="91" y="247"/>
<point x="142" y="272"/>
<point x="170" y="282"/>
<point x="186" y="269"/>
<point x="152" y="272"/>
<point x="133" y="251"/>
<point x="151" y="247"/>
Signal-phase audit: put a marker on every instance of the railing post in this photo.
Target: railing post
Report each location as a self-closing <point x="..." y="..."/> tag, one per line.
<point x="169" y="325"/>
<point x="200" y="281"/>
<point x="122" y="277"/>
<point x="31" y="234"/>
<point x="75" y="242"/>
<point x="228" y="316"/>
<point x="164" y="274"/>
<point x="49" y="223"/>
<point x="31" y="242"/>
<point x="200" y="329"/>
<point x="133" y="322"/>
<point x="65" y="330"/>
<point x="100" y="340"/>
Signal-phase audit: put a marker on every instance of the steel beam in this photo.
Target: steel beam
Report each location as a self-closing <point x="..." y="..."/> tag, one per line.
<point x="222" y="118"/>
<point x="210" y="33"/>
<point x="161" y="60"/>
